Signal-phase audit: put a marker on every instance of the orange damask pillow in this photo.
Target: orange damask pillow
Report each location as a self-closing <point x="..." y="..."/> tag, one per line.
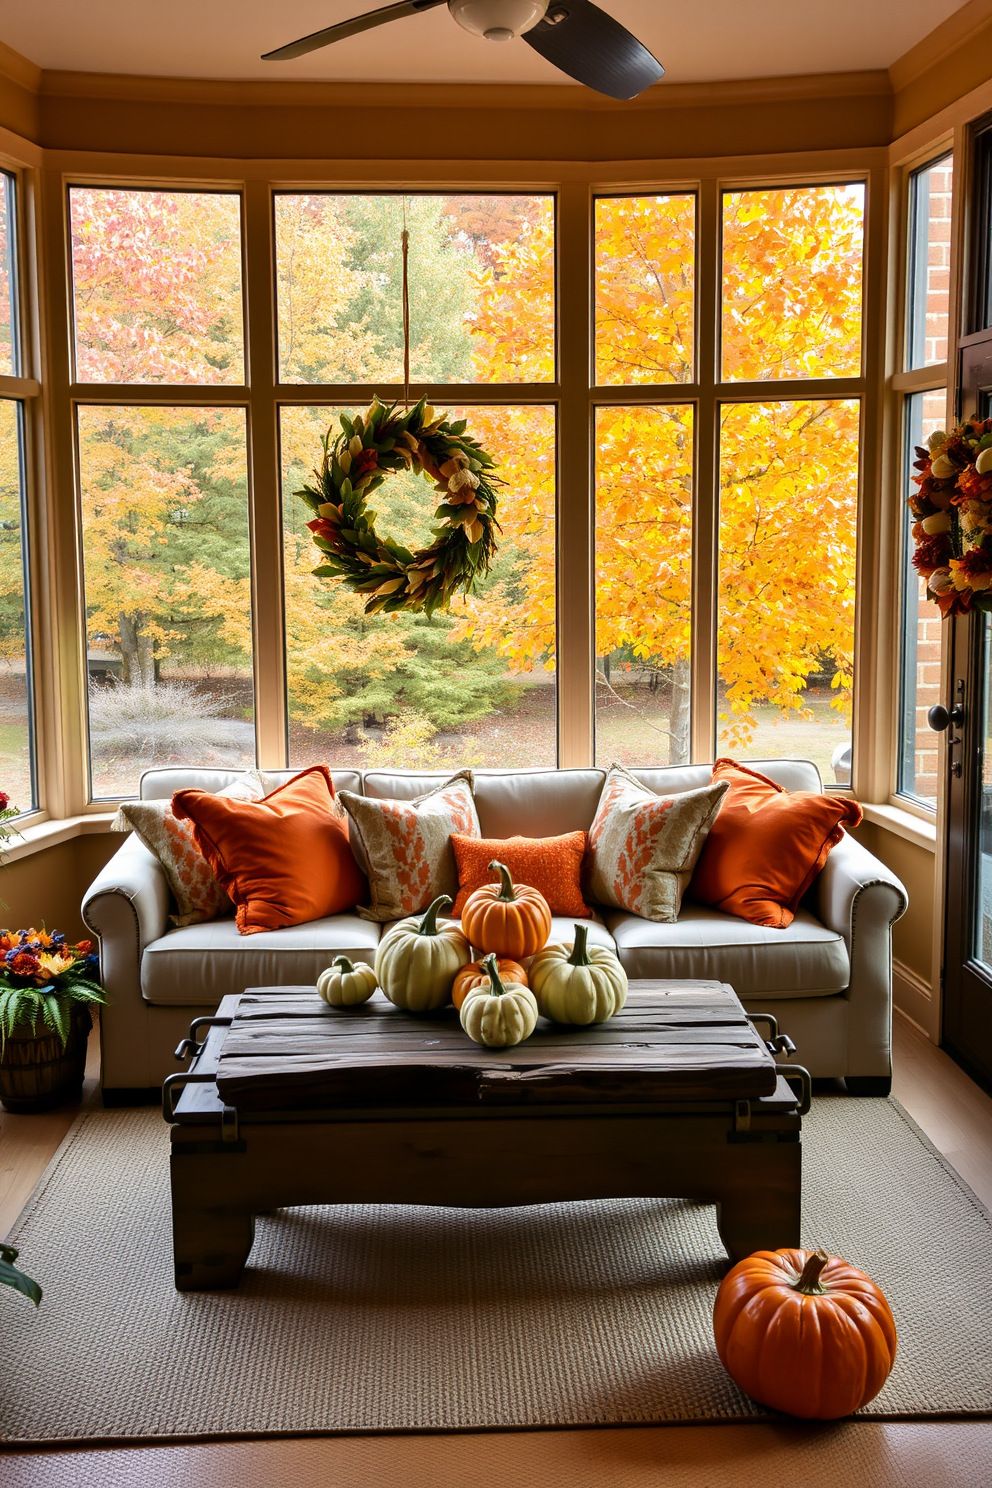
<point x="283" y="860"/>
<point x="552" y="865"/>
<point x="767" y="845"/>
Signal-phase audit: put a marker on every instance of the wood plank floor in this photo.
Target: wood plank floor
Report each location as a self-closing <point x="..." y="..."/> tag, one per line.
<point x="956" y="1116"/>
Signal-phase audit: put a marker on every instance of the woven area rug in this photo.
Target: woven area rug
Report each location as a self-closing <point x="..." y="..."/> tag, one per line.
<point x="371" y="1319"/>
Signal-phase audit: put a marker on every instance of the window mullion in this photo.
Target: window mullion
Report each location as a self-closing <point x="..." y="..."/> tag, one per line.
<point x="706" y="493"/>
<point x="268" y="623"/>
<point x="576" y="621"/>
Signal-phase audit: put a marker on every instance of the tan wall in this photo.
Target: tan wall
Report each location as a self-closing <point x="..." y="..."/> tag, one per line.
<point x="47" y="887"/>
<point x="913" y="935"/>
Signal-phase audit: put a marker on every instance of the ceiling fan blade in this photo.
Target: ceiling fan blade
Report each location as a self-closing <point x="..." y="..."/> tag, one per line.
<point x="590" y="46"/>
<point x="366" y="22"/>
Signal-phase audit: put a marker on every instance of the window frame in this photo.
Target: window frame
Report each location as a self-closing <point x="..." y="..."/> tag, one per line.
<point x="904" y="383"/>
<point x="574" y="394"/>
<point x="24" y="389"/>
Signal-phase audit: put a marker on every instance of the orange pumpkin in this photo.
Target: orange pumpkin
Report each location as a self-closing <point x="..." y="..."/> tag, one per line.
<point x="804" y="1332"/>
<point x="506" y="918"/>
<point x="476" y="975"/>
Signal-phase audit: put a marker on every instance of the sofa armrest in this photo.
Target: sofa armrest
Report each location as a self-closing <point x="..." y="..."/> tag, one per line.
<point x="135" y="876"/>
<point x="850" y="874"/>
<point x="859" y="898"/>
<point x="127" y="907"/>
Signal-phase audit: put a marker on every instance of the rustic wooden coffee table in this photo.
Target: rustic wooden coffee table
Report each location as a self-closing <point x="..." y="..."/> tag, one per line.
<point x="289" y="1102"/>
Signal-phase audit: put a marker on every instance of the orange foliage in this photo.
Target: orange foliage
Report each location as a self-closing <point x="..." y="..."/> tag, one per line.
<point x="788" y="471"/>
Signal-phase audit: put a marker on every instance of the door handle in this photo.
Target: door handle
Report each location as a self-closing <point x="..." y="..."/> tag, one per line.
<point x="940" y="718"/>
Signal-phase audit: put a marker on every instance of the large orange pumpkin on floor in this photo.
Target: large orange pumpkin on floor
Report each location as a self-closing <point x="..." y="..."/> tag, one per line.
<point x="476" y="975"/>
<point x="804" y="1332"/>
<point x="507" y="919"/>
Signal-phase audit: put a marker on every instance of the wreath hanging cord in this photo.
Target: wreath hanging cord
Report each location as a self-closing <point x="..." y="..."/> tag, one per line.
<point x="359" y="457"/>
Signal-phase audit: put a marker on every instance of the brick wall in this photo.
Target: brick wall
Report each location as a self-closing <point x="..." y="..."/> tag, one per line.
<point x="927" y="694"/>
<point x="938" y="263"/>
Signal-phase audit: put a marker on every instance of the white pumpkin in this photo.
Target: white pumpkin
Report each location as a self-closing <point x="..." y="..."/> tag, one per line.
<point x="343" y="984"/>
<point x="418" y="959"/>
<point x="578" y="983"/>
<point x="497" y="1013"/>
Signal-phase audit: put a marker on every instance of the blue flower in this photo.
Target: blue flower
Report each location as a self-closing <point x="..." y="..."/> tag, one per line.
<point x="15" y="951"/>
<point x="58" y="938"/>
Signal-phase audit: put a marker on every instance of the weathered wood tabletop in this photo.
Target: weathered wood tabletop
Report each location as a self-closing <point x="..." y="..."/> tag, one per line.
<point x="673" y="1041"/>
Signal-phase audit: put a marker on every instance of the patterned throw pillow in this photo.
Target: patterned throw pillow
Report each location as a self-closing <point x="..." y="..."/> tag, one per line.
<point x="643" y="847"/>
<point x="405" y="846"/>
<point x="197" y="893"/>
<point x="552" y="865"/>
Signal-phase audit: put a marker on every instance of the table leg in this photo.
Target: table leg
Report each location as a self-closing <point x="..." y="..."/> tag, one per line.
<point x="210" y="1246"/>
<point x="758" y="1220"/>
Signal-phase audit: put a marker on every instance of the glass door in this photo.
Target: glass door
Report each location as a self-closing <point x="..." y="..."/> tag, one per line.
<point x="966" y="716"/>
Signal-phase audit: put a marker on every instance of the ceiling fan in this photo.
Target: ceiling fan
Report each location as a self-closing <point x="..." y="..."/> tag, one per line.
<point x="573" y="35"/>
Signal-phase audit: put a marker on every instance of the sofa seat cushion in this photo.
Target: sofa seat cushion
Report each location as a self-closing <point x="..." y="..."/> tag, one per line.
<point x="200" y="964"/>
<point x="803" y="960"/>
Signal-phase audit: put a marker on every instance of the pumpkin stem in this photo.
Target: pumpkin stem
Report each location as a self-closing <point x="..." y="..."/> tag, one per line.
<point x="809" y="1282"/>
<point x="506" y="894"/>
<point x="428" y="925"/>
<point x="343" y="965"/>
<point x="496" y="988"/>
<point x="580" y="955"/>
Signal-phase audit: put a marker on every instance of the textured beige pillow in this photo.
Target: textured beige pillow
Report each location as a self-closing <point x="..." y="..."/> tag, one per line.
<point x="405" y="846"/>
<point x="643" y="847"/>
<point x="197" y="893"/>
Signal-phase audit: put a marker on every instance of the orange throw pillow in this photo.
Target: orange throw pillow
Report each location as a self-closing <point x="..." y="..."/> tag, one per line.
<point x="766" y="846"/>
<point x="283" y="860"/>
<point x="552" y="865"/>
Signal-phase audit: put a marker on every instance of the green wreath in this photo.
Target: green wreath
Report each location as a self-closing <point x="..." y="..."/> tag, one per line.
<point x="357" y="461"/>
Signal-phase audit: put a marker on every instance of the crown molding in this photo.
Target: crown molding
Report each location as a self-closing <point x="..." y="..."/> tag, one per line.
<point x="19" y="70"/>
<point x="956" y="31"/>
<point x="254" y="92"/>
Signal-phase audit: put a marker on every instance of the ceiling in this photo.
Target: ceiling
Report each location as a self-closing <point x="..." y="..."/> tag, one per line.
<point x="702" y="41"/>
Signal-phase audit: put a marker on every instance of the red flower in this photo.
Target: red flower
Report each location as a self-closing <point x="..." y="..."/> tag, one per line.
<point x="931" y="553"/>
<point x="84" y="947"/>
<point x="24" y="965"/>
<point x="972" y="486"/>
<point x="4" y="800"/>
<point x="366" y="461"/>
<point x="974" y="563"/>
<point x="321" y="527"/>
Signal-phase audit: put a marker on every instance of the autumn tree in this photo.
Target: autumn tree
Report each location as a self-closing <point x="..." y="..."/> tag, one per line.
<point x="788" y="482"/>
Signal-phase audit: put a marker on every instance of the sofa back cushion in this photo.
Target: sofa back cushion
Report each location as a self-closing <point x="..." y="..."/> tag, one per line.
<point x="791" y="774"/>
<point x="157" y="785"/>
<point x="510" y="803"/>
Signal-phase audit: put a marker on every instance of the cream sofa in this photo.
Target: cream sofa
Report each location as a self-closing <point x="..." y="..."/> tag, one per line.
<point x="827" y="978"/>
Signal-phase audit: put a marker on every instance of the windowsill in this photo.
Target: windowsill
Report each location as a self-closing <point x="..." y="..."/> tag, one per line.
<point x="44" y="834"/>
<point x="905" y="824"/>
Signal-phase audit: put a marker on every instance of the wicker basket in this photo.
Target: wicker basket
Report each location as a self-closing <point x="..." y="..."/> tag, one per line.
<point x="37" y="1073"/>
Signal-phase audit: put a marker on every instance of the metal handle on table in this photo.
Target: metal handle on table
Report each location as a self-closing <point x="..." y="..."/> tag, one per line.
<point x="779" y="1043"/>
<point x="192" y="1045"/>
<point x="796" y="1072"/>
<point x="175" y="1085"/>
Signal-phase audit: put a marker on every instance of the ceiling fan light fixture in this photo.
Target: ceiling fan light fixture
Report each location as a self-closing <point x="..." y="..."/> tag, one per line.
<point x="498" y="20"/>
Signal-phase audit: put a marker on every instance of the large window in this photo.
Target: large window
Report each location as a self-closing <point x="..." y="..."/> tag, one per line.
<point x="163" y="483"/>
<point x="475" y="685"/>
<point x="779" y="511"/>
<point x="18" y="775"/>
<point x="680" y="469"/>
<point x="924" y="404"/>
